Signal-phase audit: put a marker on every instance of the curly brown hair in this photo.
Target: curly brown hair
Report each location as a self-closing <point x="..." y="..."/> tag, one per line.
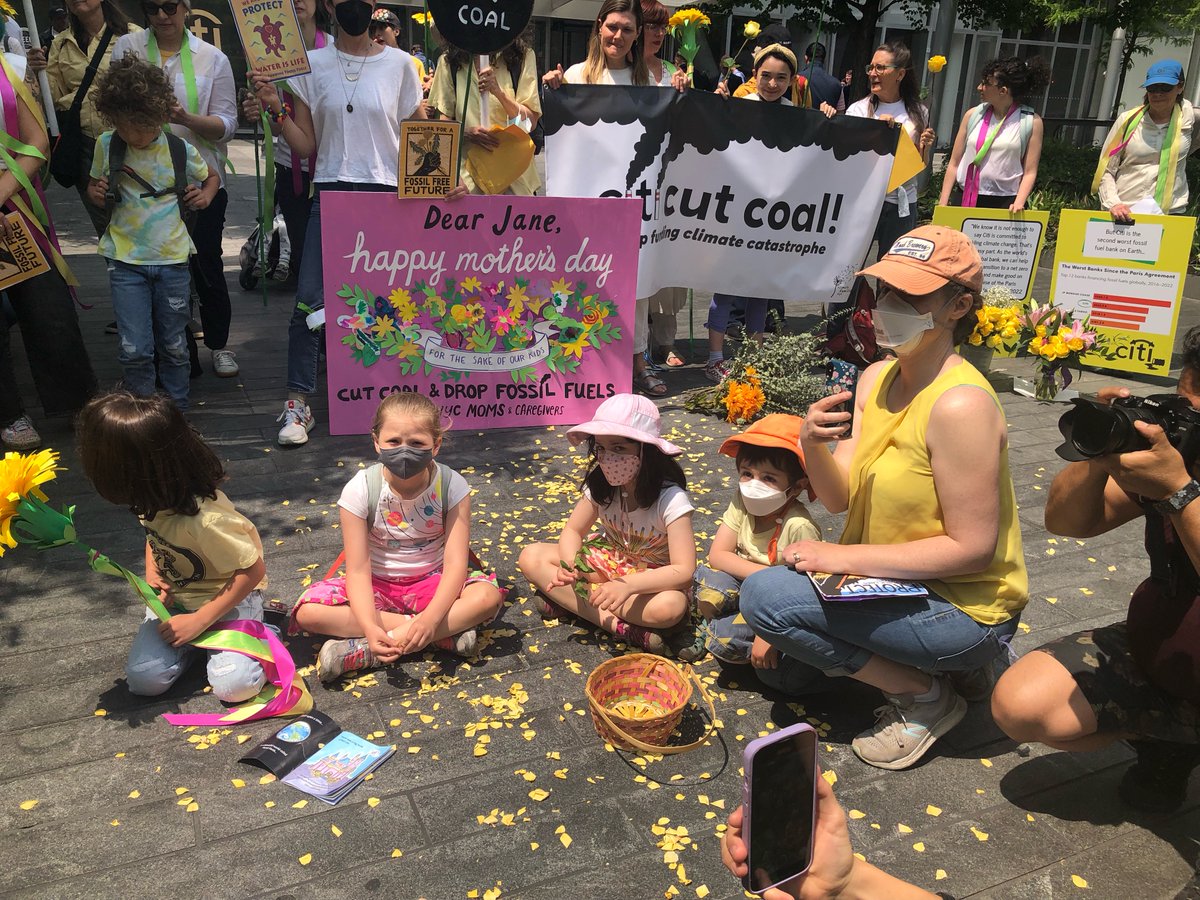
<point x="134" y="91"/>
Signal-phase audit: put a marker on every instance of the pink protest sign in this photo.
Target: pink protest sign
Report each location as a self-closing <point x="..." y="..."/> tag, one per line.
<point x="505" y="311"/>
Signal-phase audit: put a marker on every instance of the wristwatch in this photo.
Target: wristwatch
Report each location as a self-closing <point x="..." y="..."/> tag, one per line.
<point x="1178" y="500"/>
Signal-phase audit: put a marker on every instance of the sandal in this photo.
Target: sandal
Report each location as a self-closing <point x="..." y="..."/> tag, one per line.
<point x="649" y="384"/>
<point x="674" y="360"/>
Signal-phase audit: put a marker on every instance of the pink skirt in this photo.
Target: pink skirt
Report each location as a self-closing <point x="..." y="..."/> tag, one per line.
<point x="405" y="597"/>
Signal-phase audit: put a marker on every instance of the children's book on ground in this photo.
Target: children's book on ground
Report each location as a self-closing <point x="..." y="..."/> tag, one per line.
<point x="863" y="587"/>
<point x="312" y="754"/>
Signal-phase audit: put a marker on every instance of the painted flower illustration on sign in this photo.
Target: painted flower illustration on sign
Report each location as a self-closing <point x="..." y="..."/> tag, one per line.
<point x="460" y="327"/>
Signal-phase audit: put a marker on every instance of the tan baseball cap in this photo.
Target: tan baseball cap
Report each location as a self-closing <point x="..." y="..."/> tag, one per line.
<point x="927" y="258"/>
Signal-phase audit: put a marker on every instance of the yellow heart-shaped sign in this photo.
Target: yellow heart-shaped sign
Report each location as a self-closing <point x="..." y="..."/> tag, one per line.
<point x="495" y="170"/>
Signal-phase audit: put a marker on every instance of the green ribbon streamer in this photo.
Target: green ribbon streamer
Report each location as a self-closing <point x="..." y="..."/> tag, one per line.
<point x="189" y="88"/>
<point x="10" y="145"/>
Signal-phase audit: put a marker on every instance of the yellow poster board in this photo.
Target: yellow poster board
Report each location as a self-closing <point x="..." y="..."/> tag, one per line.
<point x="1129" y="279"/>
<point x="1010" y="244"/>
<point x="271" y="37"/>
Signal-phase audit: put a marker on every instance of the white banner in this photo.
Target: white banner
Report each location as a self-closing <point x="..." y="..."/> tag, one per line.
<point x="738" y="197"/>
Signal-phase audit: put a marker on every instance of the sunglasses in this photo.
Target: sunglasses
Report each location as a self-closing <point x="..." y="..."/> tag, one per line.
<point x="168" y="8"/>
<point x="1161" y="88"/>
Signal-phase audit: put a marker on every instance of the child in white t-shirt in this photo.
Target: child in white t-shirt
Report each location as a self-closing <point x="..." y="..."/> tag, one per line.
<point x="406" y="526"/>
<point x="764" y="517"/>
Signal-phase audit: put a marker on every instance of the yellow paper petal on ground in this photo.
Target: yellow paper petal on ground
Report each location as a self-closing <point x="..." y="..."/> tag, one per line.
<point x="979" y="835"/>
<point x="397" y="853"/>
<point x="337" y="832"/>
<point x="27" y="805"/>
<point x="907" y="162"/>
<point x="305" y="859"/>
<point x="919" y="846"/>
<point x="857" y="814"/>
<point x="1079" y="882"/>
<point x="932" y="810"/>
<point x="939" y="875"/>
<point x="565" y="839"/>
<point x="538" y="794"/>
<point x="830" y="776"/>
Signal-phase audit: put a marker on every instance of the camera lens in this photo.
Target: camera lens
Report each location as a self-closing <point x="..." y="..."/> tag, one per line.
<point x="1097" y="430"/>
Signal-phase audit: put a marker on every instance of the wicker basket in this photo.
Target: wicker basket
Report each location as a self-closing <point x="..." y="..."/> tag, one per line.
<point x="637" y="701"/>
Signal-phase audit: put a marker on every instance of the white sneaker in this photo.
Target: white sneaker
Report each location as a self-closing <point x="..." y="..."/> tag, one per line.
<point x="21" y="435"/>
<point x="224" y="364"/>
<point x="297" y="419"/>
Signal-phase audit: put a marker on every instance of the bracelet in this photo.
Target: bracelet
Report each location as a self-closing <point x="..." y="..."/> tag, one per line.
<point x="284" y="111"/>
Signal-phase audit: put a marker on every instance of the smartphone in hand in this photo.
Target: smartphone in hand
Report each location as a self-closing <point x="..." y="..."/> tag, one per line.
<point x="841" y="376"/>
<point x="779" y="803"/>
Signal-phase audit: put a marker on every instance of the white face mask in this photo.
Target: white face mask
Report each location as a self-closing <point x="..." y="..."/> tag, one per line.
<point x="897" y="325"/>
<point x="761" y="499"/>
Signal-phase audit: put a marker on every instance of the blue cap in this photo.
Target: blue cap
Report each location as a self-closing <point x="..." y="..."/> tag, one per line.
<point x="1165" y="71"/>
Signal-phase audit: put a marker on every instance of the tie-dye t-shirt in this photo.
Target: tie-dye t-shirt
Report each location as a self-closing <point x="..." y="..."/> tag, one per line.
<point x="637" y="540"/>
<point x="147" y="231"/>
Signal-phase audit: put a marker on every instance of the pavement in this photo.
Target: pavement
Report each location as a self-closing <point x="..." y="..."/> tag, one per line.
<point x="99" y="797"/>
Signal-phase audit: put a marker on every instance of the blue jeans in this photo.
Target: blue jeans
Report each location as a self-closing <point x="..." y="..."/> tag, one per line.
<point x="154" y="665"/>
<point x="927" y="633"/>
<point x="304" y="344"/>
<point x="151" y="304"/>
<point x="718" y="313"/>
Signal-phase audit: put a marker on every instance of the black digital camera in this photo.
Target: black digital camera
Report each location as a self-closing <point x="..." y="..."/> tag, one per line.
<point x="1093" y="428"/>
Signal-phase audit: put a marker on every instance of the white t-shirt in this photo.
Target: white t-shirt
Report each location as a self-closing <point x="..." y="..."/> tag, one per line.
<point x="899" y="112"/>
<point x="1002" y="169"/>
<point x="407" y="540"/>
<point x="363" y="146"/>
<point x="283" y="152"/>
<point x="624" y="77"/>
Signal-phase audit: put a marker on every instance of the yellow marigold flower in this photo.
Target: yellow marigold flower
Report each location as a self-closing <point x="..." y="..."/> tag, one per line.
<point x="689" y="17"/>
<point x="936" y="64"/>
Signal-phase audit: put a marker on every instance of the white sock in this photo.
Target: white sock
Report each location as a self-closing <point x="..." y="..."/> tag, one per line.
<point x="715" y="356"/>
<point x="935" y="691"/>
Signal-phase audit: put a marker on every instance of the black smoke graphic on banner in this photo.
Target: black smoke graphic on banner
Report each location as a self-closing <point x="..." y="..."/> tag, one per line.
<point x="708" y="123"/>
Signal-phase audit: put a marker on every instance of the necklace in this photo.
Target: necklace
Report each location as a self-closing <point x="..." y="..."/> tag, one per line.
<point x="352" y="77"/>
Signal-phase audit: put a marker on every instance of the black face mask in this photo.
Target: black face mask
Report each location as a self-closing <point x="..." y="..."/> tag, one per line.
<point x="405" y="462"/>
<point x="354" y="16"/>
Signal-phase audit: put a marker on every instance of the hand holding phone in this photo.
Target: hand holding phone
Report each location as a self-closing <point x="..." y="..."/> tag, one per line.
<point x="779" y="806"/>
<point x="841" y="376"/>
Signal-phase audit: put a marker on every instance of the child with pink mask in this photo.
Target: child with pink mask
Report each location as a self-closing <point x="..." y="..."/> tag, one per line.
<point x="632" y="576"/>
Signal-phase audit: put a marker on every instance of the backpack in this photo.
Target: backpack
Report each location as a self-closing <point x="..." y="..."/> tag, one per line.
<point x="116" y="166"/>
<point x="1026" y="115"/>
<point x="850" y="332"/>
<point x="537" y="135"/>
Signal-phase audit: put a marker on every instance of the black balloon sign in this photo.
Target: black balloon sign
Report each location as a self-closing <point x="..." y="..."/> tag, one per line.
<point x="481" y="26"/>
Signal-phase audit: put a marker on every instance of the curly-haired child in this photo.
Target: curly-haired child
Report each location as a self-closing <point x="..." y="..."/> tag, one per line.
<point x="147" y="244"/>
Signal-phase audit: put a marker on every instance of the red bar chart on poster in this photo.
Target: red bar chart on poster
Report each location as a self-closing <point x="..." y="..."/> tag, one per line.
<point x="1133" y="300"/>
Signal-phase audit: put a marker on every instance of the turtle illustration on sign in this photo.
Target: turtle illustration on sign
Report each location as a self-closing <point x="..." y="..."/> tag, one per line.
<point x="272" y="35"/>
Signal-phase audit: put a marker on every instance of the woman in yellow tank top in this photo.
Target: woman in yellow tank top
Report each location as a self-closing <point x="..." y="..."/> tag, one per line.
<point x="923" y="478"/>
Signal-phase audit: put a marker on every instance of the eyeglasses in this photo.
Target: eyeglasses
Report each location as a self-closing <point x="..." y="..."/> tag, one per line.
<point x="168" y="8"/>
<point x="657" y="29"/>
<point x="872" y="68"/>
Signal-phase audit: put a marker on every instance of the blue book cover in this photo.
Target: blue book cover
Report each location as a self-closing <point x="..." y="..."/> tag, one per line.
<point x="335" y="769"/>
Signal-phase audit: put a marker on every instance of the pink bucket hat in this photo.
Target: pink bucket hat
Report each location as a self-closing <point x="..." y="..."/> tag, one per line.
<point x="625" y="415"/>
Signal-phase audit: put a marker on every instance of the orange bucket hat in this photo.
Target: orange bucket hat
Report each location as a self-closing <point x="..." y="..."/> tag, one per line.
<point x="776" y="430"/>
